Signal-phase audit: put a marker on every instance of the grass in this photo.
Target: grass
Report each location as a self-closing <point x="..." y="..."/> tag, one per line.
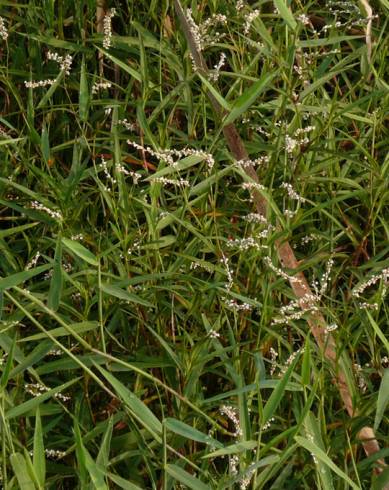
<point x="156" y="341"/>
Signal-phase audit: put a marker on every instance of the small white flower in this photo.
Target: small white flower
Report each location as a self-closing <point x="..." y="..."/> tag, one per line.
<point x="107" y="27"/>
<point x="40" y="83"/>
<point x="100" y="86"/>
<point x="3" y="30"/>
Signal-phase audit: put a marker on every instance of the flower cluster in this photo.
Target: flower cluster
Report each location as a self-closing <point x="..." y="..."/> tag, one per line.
<point x="201" y="33"/>
<point x="109" y="177"/>
<point x="197" y="265"/>
<point x="234" y="305"/>
<point x="129" y="126"/>
<point x="36" y="389"/>
<point x="214" y="75"/>
<point x="296" y="309"/>
<point x="165" y="181"/>
<point x="40" y="83"/>
<point x="267" y="425"/>
<point x="299" y="137"/>
<point x="232" y="414"/>
<point x="54" y="454"/>
<point x="360" y="377"/>
<point x="65" y="62"/>
<point x="107" y="27"/>
<point x="289" y="361"/>
<point x="244" y="244"/>
<point x="273" y="360"/>
<point x="249" y="19"/>
<point x="304" y="19"/>
<point x="280" y="272"/>
<point x="225" y="261"/>
<point x="239" y="5"/>
<point x="96" y="87"/>
<point x="253" y="163"/>
<point x="292" y="193"/>
<point x="33" y="261"/>
<point x="257" y="218"/>
<point x="171" y="157"/>
<point x="40" y="207"/>
<point x="253" y="186"/>
<point x="3" y="30"/>
<point x="384" y="275"/>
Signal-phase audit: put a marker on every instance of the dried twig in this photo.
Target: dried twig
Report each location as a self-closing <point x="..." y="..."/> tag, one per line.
<point x="316" y="321"/>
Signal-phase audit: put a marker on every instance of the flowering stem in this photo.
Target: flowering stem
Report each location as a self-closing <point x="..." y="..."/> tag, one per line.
<point x="316" y="321"/>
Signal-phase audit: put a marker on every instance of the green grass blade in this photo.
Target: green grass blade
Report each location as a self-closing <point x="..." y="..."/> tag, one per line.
<point x="185" y="478"/>
<point x="20" y="277"/>
<point x="34" y="403"/>
<point x="124" y="295"/>
<point x="248" y="97"/>
<point x="80" y="251"/>
<point x="383" y="399"/>
<point x="278" y="393"/>
<point x="39" y="458"/>
<point x="189" y="432"/>
<point x="137" y="408"/>
<point x="96" y="474"/>
<point x="285" y="13"/>
<point x="322" y="456"/>
<point x="56" y="281"/>
<point x="19" y="467"/>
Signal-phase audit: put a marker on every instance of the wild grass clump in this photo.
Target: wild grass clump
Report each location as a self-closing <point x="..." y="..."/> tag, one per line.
<point x="194" y="245"/>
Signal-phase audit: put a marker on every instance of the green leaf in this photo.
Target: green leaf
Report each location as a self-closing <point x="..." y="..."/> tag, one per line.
<point x="381" y="481"/>
<point x="278" y="393"/>
<point x="16" y="229"/>
<point x="20" y="277"/>
<point x="189" y="432"/>
<point x="97" y="475"/>
<point x="378" y="331"/>
<point x="103" y="456"/>
<point x="36" y="401"/>
<point x="51" y="90"/>
<point x="306" y="363"/>
<point x="122" y="483"/>
<point x="83" y="98"/>
<point x="80" y="327"/>
<point x="322" y="456"/>
<point x="80" y="251"/>
<point x="183" y="164"/>
<point x="221" y="100"/>
<point x="237" y="448"/>
<point x="124" y="295"/>
<point x="383" y="399"/>
<point x="285" y="13"/>
<point x="312" y="428"/>
<point x="39" y="458"/>
<point x="185" y="478"/>
<point x="248" y="97"/>
<point x="56" y="281"/>
<point x="8" y="366"/>
<point x="137" y="408"/>
<point x="45" y="144"/>
<point x="124" y="66"/>
<point x="19" y="467"/>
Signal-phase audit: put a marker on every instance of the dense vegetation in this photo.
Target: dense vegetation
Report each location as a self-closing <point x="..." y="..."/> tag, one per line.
<point x="150" y="336"/>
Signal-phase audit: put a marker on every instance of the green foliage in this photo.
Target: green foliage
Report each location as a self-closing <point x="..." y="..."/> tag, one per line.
<point x="149" y="338"/>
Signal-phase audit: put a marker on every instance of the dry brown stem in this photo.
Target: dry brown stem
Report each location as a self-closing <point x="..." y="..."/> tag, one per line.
<point x="369" y="13"/>
<point x="316" y="321"/>
<point x="100" y="13"/>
